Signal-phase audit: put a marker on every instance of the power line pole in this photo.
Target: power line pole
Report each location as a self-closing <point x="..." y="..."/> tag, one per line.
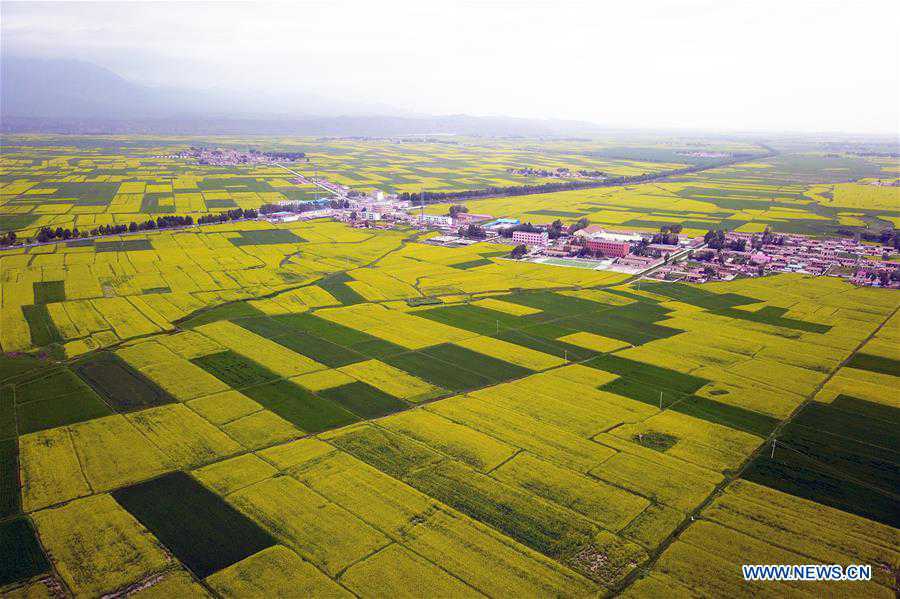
<point x="773" y="449"/>
<point x="660" y="400"/>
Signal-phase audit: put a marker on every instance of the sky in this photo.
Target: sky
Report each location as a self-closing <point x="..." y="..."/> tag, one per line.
<point x="762" y="65"/>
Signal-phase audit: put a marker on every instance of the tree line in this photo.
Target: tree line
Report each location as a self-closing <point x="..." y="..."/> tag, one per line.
<point x="436" y="197"/>
<point x="46" y="234"/>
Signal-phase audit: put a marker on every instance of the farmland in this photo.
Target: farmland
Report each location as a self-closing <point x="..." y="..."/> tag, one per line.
<point x="251" y="408"/>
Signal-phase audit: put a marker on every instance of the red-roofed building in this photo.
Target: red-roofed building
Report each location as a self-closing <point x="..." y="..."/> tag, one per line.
<point x="615" y="249"/>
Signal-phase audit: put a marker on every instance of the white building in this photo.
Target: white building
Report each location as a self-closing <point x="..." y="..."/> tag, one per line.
<point x="435" y="220"/>
<point x="526" y="238"/>
<point x="282" y="217"/>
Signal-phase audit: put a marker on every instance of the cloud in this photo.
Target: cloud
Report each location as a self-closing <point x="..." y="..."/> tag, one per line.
<point x="799" y="65"/>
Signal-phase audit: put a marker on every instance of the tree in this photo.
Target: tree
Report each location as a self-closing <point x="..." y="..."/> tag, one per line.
<point x="473" y="231"/>
<point x="555" y="229"/>
<point x="580" y="224"/>
<point x="518" y="251"/>
<point x="456" y="209"/>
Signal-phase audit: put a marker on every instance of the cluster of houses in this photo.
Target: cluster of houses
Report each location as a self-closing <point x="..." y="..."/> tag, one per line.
<point x="862" y="263"/>
<point x="231" y="157"/>
<point x="671" y="257"/>
<point x="558" y="173"/>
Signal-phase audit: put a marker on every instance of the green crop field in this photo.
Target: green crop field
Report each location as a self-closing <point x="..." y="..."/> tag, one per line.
<point x="249" y="409"/>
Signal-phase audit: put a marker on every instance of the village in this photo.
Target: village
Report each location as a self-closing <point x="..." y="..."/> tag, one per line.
<point x="665" y="255"/>
<point x="231" y="157"/>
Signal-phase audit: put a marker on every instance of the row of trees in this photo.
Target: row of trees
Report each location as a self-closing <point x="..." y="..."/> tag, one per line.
<point x="221" y="217"/>
<point x="434" y="197"/>
<point x="46" y="234"/>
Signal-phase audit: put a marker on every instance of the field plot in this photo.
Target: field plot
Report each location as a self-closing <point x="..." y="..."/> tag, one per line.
<point x="204" y="532"/>
<point x="250" y="409"/>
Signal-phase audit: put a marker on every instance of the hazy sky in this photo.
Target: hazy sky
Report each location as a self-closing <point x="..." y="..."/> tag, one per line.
<point x="795" y="65"/>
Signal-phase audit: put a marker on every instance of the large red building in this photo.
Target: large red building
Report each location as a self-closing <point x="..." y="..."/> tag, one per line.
<point x="614" y="249"/>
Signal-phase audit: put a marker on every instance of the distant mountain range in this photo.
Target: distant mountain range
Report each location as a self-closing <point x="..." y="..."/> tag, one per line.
<point x="72" y="96"/>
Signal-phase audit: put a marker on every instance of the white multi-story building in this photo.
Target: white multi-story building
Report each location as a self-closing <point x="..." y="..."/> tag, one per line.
<point x="527" y="238"/>
<point x="435" y="220"/>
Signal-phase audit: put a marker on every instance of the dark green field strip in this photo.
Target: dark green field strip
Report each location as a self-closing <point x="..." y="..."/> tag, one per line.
<point x="40" y="325"/>
<point x="60" y="411"/>
<point x="16" y="222"/>
<point x="697" y="296"/>
<point x="731" y="416"/>
<point x="619" y="325"/>
<point x="7" y="412"/>
<point x="797" y="475"/>
<point x="471" y="264"/>
<point x="553" y="347"/>
<point x="633" y="323"/>
<point x="10" y="500"/>
<point x="336" y="285"/>
<point x="554" y="303"/>
<point x="235" y="370"/>
<point x="127" y="245"/>
<point x="300" y="407"/>
<point x="662" y="378"/>
<point x="151" y="290"/>
<point x="643" y="392"/>
<point x="49" y="384"/>
<point x="856" y="459"/>
<point x="99" y="191"/>
<point x="874" y="363"/>
<point x="456" y="368"/>
<point x="826" y="418"/>
<point x="693" y="405"/>
<point x="123" y="387"/>
<point x="14" y="368"/>
<point x="867" y="409"/>
<point x="196" y="525"/>
<point x="472" y="318"/>
<point x="266" y="237"/>
<point x="49" y="291"/>
<point x="56" y="398"/>
<point x="320" y="350"/>
<point x="352" y="339"/>
<point x="364" y="400"/>
<point x="232" y="311"/>
<point x="774" y="316"/>
<point x="20" y="553"/>
<point x="424" y="365"/>
<point x="522" y="516"/>
<point x="839" y="455"/>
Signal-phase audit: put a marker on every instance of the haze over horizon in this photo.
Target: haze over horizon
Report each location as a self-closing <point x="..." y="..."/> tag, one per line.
<point x="806" y="66"/>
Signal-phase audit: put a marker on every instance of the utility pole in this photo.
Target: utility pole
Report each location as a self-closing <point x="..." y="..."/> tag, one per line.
<point x="498" y="326"/>
<point x="660" y="400"/>
<point x="773" y="449"/>
<point x="422" y="205"/>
